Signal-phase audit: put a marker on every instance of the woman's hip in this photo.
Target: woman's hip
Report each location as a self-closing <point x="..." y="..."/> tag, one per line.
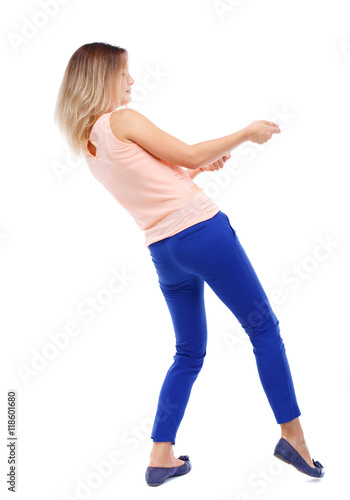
<point x="200" y="247"/>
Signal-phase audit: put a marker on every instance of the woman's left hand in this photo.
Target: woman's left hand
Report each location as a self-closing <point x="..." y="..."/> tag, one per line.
<point x="216" y="165"/>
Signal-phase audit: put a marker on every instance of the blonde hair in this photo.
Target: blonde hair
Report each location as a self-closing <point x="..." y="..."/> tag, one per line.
<point x="91" y="86"/>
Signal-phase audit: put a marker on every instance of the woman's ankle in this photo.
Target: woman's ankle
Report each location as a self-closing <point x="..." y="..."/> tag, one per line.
<point x="293" y="438"/>
<point x="162" y="450"/>
<point x="292" y="431"/>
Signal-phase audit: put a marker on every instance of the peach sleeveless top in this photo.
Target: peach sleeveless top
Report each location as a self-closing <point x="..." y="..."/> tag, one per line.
<point x="162" y="198"/>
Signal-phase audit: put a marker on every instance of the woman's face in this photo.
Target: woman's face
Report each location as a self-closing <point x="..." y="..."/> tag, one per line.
<point x="126" y="83"/>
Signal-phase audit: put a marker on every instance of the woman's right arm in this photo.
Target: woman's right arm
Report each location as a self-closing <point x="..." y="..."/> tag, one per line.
<point x="136" y="127"/>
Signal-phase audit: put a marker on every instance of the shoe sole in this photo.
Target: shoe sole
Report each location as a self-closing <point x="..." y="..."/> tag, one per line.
<point x="290" y="463"/>
<point x="158" y="484"/>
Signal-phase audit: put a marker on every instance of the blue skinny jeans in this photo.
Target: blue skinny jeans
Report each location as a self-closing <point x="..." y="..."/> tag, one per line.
<point x="211" y="252"/>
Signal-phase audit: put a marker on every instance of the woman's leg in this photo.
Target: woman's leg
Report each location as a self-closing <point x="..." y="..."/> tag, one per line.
<point x="184" y="296"/>
<point x="214" y="253"/>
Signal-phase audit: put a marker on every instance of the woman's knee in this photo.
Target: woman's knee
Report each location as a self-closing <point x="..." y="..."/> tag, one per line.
<point x="261" y="320"/>
<point x="194" y="360"/>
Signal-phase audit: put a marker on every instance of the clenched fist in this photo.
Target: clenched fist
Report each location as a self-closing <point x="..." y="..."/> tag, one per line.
<point x="261" y="131"/>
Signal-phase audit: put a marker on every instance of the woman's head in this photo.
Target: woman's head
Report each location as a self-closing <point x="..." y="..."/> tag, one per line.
<point x="95" y="82"/>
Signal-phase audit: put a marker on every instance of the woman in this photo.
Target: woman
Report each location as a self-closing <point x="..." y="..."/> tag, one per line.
<point x="189" y="239"/>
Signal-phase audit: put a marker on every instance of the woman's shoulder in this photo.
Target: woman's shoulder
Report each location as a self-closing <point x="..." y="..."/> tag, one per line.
<point x="125" y="114"/>
<point x="121" y="120"/>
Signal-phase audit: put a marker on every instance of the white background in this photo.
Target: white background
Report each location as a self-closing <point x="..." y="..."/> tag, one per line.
<point x="224" y="64"/>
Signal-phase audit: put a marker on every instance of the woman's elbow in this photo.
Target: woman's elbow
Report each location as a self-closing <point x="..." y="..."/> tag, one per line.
<point x="192" y="158"/>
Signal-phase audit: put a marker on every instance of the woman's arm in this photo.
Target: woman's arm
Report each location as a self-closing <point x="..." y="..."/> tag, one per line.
<point x="137" y="128"/>
<point x="212" y="166"/>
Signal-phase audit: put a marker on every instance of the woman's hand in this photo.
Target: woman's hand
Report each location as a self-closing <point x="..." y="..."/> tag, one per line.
<point x="216" y="164"/>
<point x="261" y="131"/>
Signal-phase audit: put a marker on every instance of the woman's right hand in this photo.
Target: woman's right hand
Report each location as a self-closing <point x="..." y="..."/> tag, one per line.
<point x="261" y="131"/>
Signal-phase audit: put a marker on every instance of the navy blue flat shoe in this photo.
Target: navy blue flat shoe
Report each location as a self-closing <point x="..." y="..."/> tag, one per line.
<point x="157" y="475"/>
<point x="285" y="451"/>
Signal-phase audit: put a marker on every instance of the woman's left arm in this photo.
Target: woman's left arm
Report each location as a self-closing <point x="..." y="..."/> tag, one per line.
<point x="192" y="172"/>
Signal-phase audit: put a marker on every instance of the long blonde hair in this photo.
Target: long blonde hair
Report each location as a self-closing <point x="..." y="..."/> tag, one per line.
<point x="91" y="86"/>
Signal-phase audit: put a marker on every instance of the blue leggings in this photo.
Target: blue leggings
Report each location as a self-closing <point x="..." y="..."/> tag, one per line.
<point x="210" y="251"/>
